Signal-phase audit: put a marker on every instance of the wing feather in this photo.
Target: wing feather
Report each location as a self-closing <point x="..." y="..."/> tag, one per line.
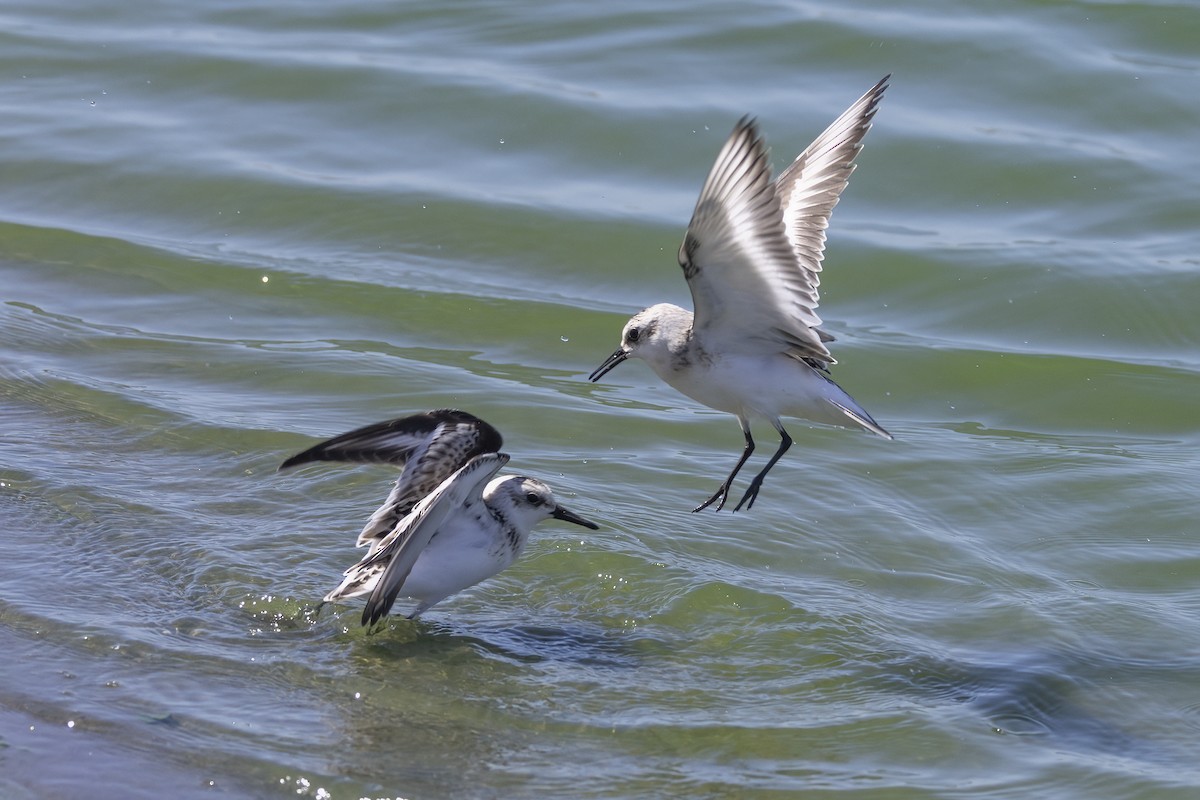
<point x="428" y="447"/>
<point x="752" y="253"/>
<point x="404" y="545"/>
<point x="812" y="185"/>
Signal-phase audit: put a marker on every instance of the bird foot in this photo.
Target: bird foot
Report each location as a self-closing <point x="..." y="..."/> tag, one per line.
<point x="722" y="494"/>
<point x="749" y="498"/>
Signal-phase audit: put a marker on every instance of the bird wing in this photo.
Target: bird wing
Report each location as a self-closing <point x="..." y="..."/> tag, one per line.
<point x="357" y="581"/>
<point x="811" y="186"/>
<point x="753" y="249"/>
<point x="428" y="447"/>
<point x="404" y="545"/>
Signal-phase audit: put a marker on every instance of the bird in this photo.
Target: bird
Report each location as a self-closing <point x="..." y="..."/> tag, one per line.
<point x="752" y="260"/>
<point x="449" y="522"/>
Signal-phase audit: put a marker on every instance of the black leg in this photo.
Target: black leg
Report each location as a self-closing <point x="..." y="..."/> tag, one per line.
<point x="723" y="493"/>
<point x="752" y="493"/>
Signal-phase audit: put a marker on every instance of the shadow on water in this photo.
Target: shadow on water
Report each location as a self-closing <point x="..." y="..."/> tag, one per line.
<point x="1071" y="699"/>
<point x="579" y="643"/>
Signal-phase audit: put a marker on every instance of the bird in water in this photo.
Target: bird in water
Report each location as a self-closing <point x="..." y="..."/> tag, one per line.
<point x="752" y="259"/>
<point x="448" y="523"/>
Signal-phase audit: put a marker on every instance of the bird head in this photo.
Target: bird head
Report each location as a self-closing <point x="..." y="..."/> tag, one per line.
<point x="528" y="501"/>
<point x="653" y="334"/>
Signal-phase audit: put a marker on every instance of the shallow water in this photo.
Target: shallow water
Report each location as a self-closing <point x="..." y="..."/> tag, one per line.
<point x="229" y="230"/>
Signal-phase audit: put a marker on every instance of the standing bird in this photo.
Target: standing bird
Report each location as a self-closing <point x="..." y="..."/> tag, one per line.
<point x="447" y="523"/>
<point x="752" y="259"/>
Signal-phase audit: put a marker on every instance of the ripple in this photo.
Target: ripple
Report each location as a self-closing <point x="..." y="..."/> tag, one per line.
<point x="459" y="206"/>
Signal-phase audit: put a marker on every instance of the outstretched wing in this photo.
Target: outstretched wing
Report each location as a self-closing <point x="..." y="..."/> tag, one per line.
<point x="753" y="249"/>
<point x="429" y="447"/>
<point x="401" y="548"/>
<point x="812" y="185"/>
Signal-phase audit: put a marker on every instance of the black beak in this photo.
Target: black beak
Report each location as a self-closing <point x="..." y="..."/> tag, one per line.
<point x="571" y="516"/>
<point x="617" y="357"/>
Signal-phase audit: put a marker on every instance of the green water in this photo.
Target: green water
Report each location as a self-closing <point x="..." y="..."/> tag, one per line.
<point x="229" y="230"/>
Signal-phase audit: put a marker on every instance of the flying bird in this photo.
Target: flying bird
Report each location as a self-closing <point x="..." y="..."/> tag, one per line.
<point x="752" y="259"/>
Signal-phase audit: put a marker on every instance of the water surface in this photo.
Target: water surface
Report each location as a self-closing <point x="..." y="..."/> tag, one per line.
<point x="228" y="230"/>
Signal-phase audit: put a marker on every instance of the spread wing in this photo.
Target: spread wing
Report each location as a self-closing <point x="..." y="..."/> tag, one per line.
<point x="752" y="253"/>
<point x="401" y="548"/>
<point x="428" y="447"/>
<point x="811" y="186"/>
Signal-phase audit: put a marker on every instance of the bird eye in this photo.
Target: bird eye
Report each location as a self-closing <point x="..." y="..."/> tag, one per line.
<point x="633" y="334"/>
<point x="533" y="498"/>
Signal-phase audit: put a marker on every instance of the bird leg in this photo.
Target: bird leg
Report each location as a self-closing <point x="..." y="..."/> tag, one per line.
<point x="419" y="610"/>
<point x="722" y="494"/>
<point x="756" y="484"/>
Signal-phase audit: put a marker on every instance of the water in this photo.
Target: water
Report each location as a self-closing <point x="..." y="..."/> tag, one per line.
<point x="228" y="230"/>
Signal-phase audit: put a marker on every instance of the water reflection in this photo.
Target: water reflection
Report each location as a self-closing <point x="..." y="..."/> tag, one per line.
<point x="576" y="643"/>
<point x="1073" y="698"/>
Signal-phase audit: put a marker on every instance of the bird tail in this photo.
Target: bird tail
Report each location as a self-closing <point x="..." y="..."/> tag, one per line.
<point x="359" y="580"/>
<point x="847" y="407"/>
<point x="860" y="416"/>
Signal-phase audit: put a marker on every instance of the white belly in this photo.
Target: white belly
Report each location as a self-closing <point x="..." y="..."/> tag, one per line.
<point x="764" y="386"/>
<point x="460" y="555"/>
